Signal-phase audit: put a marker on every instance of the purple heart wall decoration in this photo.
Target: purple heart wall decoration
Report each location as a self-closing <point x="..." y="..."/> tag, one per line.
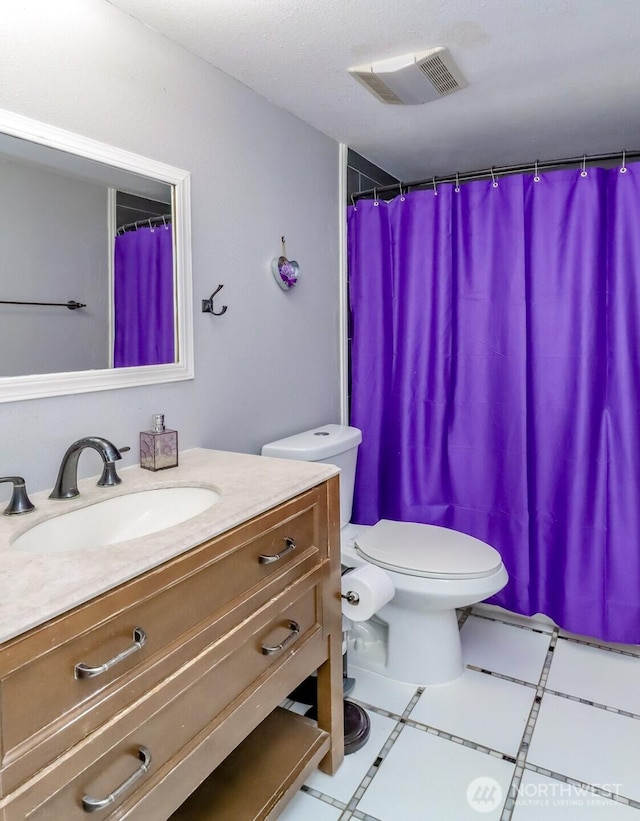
<point x="285" y="272"/>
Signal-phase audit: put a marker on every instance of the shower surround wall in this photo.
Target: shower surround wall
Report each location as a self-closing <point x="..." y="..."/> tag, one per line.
<point x="363" y="175"/>
<point x="271" y="364"/>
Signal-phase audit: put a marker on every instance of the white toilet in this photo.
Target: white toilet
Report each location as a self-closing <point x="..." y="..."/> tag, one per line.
<point x="434" y="570"/>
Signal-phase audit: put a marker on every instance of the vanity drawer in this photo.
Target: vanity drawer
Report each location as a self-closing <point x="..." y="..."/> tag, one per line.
<point x="180" y="608"/>
<point x="174" y="718"/>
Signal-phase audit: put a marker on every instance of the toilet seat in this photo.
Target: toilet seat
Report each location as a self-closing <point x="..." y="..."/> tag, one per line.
<point x="426" y="550"/>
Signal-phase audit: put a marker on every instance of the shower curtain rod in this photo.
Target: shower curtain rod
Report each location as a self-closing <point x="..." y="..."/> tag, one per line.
<point x="499" y="171"/>
<point x="146" y="223"/>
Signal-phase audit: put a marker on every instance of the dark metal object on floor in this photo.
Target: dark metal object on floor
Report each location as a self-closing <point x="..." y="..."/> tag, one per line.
<point x="357" y="725"/>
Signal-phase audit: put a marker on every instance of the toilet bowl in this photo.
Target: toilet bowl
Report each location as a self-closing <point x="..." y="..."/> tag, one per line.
<point x="434" y="570"/>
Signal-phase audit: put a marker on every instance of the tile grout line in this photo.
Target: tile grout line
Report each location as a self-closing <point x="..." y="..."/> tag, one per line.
<point x="374" y="768"/>
<point x="521" y="757"/>
<point x="405" y="720"/>
<point x="592" y="788"/>
<point x="360" y="815"/>
<point x="377" y="710"/>
<point x="465" y="742"/>
<point x="503" y="676"/>
<point x="606" y="707"/>
<point x="326" y="799"/>
<point x="590" y="642"/>
<point x="596" y="704"/>
<point x="602" y="646"/>
<point x="541" y="688"/>
<point x="548" y="632"/>
<point x="350" y="810"/>
<point x="558" y="776"/>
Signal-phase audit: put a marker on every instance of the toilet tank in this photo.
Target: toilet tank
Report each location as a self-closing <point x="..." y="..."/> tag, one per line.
<point x="331" y="444"/>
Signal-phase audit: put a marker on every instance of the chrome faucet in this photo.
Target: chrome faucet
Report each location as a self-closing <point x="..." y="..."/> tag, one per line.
<point x="20" y="502"/>
<point x="66" y="486"/>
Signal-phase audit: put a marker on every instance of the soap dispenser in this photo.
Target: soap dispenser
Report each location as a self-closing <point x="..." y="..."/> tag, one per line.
<point x="158" y="447"/>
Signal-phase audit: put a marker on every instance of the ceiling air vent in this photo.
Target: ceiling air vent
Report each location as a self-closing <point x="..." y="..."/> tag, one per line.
<point x="413" y="78"/>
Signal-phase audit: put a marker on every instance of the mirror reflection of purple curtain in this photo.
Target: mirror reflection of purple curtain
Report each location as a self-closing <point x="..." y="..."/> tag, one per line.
<point x="144" y="298"/>
<point x="496" y="380"/>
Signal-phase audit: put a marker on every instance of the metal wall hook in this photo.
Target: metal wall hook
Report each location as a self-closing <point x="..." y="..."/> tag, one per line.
<point x="207" y="304"/>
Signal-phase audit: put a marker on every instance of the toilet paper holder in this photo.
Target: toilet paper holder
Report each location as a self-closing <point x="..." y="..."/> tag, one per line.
<point x="368" y="590"/>
<point x="351" y="596"/>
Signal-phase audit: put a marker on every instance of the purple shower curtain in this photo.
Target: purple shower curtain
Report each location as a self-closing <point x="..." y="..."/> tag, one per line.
<point x="143" y="297"/>
<point x="496" y="380"/>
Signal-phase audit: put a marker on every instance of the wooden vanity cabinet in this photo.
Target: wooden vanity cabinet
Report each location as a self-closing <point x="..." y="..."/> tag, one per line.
<point x="123" y="706"/>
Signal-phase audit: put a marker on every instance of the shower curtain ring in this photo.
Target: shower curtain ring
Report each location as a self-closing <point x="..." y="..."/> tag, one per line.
<point x="583" y="173"/>
<point x="402" y="196"/>
<point x="536" y="177"/>
<point x="375" y="196"/>
<point x="457" y="188"/>
<point x="623" y="167"/>
<point x="493" y="177"/>
<point x="353" y="202"/>
<point x="435" y="188"/>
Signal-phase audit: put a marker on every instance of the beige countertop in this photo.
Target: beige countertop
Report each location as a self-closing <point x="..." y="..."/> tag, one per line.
<point x="36" y="587"/>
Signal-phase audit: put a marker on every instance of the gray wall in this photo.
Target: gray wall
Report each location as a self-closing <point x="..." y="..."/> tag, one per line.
<point x="54" y="247"/>
<point x="269" y="366"/>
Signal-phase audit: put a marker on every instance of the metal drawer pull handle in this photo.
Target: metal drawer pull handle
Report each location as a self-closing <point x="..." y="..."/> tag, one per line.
<point x="270" y="649"/>
<point x="290" y="545"/>
<point x="94" y="804"/>
<point x="84" y="671"/>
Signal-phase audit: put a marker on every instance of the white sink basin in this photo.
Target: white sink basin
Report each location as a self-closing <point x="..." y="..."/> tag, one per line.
<point x="117" y="519"/>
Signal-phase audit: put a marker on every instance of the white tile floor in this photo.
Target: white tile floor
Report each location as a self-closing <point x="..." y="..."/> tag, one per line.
<point x="543" y="725"/>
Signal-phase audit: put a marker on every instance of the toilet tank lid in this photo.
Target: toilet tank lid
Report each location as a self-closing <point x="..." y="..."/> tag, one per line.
<point x="315" y="445"/>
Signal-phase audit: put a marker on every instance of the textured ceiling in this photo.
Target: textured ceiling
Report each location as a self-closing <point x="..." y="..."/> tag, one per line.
<point x="547" y="78"/>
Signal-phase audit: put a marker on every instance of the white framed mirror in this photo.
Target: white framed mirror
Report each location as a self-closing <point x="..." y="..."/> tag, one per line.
<point x="65" y="199"/>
